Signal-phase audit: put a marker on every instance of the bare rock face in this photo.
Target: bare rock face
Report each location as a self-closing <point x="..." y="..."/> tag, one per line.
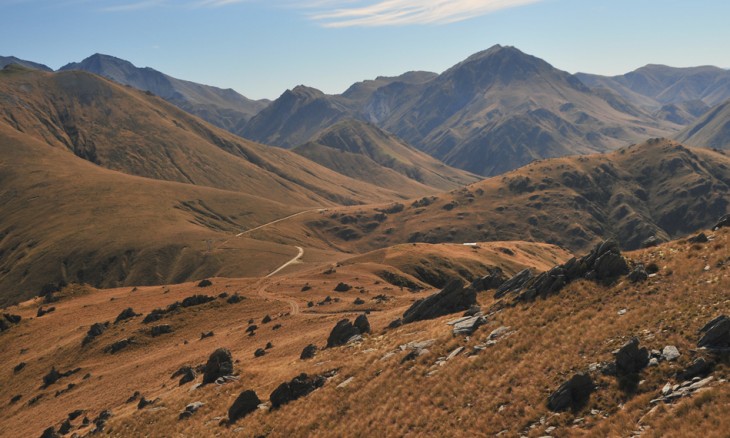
<point x="451" y="299"/>
<point x="298" y="387"/>
<point x="220" y="363"/>
<point x="514" y="284"/>
<point x="630" y="359"/>
<point x="493" y="280"/>
<point x="571" y="394"/>
<point x="245" y="403"/>
<point x="716" y="333"/>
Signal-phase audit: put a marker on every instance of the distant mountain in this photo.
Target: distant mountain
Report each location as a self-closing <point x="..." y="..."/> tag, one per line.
<point x="363" y="151"/>
<point x="495" y="111"/>
<point x="711" y="130"/>
<point x="655" y="85"/>
<point x="7" y="60"/>
<point x="682" y="113"/>
<point x="222" y="107"/>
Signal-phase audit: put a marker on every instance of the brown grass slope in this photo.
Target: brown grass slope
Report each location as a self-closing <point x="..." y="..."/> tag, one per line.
<point x="659" y="188"/>
<point x="501" y="389"/>
<point x="126" y="130"/>
<point x="710" y="130"/>
<point x="64" y="219"/>
<point x="363" y="151"/>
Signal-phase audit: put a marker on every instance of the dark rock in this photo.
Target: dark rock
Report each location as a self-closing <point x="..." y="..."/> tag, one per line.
<point x="235" y="298"/>
<point x="204" y="335"/>
<point x="245" y="403"/>
<point x="42" y="311"/>
<point x="95" y="330"/>
<point x="65" y="427"/>
<point x="223" y="295"/>
<point x="358" y="301"/>
<point x="52" y="377"/>
<point x="134" y="397"/>
<point x="75" y="414"/>
<point x="119" y="345"/>
<point x="269" y="346"/>
<point x="298" y="387"/>
<point x="143" y="403"/>
<point x="723" y="222"/>
<point x="220" y="363"/>
<point x="127" y="313"/>
<point x="650" y="242"/>
<point x="50" y="433"/>
<point x="310" y="303"/>
<point x="308" y="352"/>
<point x="630" y="359"/>
<point x="514" y="284"/>
<point x="12" y="319"/>
<point x="19" y="367"/>
<point x="276" y="327"/>
<point x="101" y="420"/>
<point x="342" y="287"/>
<point x="638" y="274"/>
<point x="15" y="399"/>
<point x="572" y="394"/>
<point x="716" y="334"/>
<point x="468" y="325"/>
<point x="259" y="352"/>
<point x="153" y="316"/>
<point x="205" y="283"/>
<point x="160" y="330"/>
<point x="190" y="409"/>
<point x="266" y="319"/>
<point x="395" y="323"/>
<point x="362" y="324"/>
<point x="343" y="331"/>
<point x="493" y="280"/>
<point x="698" y="368"/>
<point x="399" y="280"/>
<point x="306" y="287"/>
<point x="451" y="299"/>
<point x="700" y="238"/>
<point x="196" y="300"/>
<point x="252" y="328"/>
<point x="473" y="310"/>
<point x="186" y="373"/>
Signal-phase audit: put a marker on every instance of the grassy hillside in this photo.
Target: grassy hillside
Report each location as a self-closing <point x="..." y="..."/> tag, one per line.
<point x="710" y="130"/>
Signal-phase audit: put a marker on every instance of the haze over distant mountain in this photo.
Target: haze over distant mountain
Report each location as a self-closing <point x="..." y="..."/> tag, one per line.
<point x="363" y="151"/>
<point x="491" y="113"/>
<point x="7" y="60"/>
<point x="711" y="130"/>
<point x="655" y="85"/>
<point x="224" y="108"/>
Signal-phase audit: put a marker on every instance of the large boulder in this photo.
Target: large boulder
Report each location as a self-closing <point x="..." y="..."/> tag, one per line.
<point x="362" y="324"/>
<point x="342" y="332"/>
<point x="298" y="387"/>
<point x="716" y="333"/>
<point x="630" y="359"/>
<point x="451" y="299"/>
<point x="572" y="394"/>
<point x="127" y="313"/>
<point x="308" y="352"/>
<point x="245" y="403"/>
<point x="220" y="363"/>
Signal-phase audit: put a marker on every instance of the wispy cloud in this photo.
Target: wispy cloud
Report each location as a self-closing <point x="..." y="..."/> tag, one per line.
<point x="405" y="12"/>
<point x="133" y="6"/>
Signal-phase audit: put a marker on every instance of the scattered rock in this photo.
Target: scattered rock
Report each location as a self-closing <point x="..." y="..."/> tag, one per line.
<point x="345" y="383"/>
<point x="15" y="399"/>
<point x="473" y="310"/>
<point x="723" y="222"/>
<point x="42" y="311"/>
<point x="671" y="393"/>
<point x="220" y="363"/>
<point x="499" y="332"/>
<point x="308" y="352"/>
<point x="196" y="300"/>
<point x="493" y="280"/>
<point x="252" y="328"/>
<point x="235" y="298"/>
<point x="160" y="330"/>
<point x="143" y="403"/>
<point x="205" y="283"/>
<point x="670" y="353"/>
<point x="190" y="409"/>
<point x="276" y="327"/>
<point x="716" y="333"/>
<point x="133" y="397"/>
<point x="101" y="420"/>
<point x="259" y="352"/>
<point x="245" y="403"/>
<point x="18" y="368"/>
<point x="119" y="345"/>
<point x="700" y="238"/>
<point x="358" y="301"/>
<point x="65" y="427"/>
<point x="513" y="284"/>
<point x="572" y="394"/>
<point x="630" y="359"/>
<point x="127" y="313"/>
<point x="698" y="368"/>
<point x="75" y="414"/>
<point x="204" y="335"/>
<point x="468" y="325"/>
<point x="8" y="320"/>
<point x="95" y="330"/>
<point x="266" y="319"/>
<point x="54" y="376"/>
<point x="343" y="333"/>
<point x="186" y="373"/>
<point x="342" y="287"/>
<point x="362" y="324"/>
<point x="50" y="433"/>
<point x="298" y="387"/>
<point x="451" y="299"/>
<point x="638" y="274"/>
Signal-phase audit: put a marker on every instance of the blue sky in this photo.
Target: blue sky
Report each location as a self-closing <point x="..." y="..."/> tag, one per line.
<point x="262" y="47"/>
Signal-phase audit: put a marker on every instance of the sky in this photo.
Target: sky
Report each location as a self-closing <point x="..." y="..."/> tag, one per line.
<point x="260" y="48"/>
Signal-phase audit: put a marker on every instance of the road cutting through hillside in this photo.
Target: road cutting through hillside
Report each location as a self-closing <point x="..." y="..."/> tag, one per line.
<point x="279" y="220"/>
<point x="263" y="284"/>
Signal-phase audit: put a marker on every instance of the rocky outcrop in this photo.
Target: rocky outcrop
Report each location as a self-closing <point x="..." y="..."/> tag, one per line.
<point x="699" y="367"/>
<point x="298" y="387"/>
<point x="127" y="313"/>
<point x="95" y="330"/>
<point x="205" y="283"/>
<point x="342" y="287"/>
<point x="186" y="374"/>
<point x="119" y="345"/>
<point x="8" y="320"/>
<point x="493" y="280"/>
<point x="344" y="332"/>
<point x="572" y="394"/>
<point x="467" y="325"/>
<point x="630" y="359"/>
<point x="514" y="284"/>
<point x="716" y="334"/>
<point x="160" y="330"/>
<point x="308" y="352"/>
<point x="722" y="223"/>
<point x="220" y="363"/>
<point x="245" y="403"/>
<point x="362" y="324"/>
<point x="190" y="409"/>
<point x="451" y="299"/>
<point x="196" y="300"/>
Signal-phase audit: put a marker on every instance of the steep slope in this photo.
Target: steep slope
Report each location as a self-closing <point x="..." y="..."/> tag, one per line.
<point x="664" y="84"/>
<point x="127" y="130"/>
<point x="491" y="113"/>
<point x="659" y="188"/>
<point x="682" y="113"/>
<point x="7" y="60"/>
<point x="352" y="148"/>
<point x="711" y="130"/>
<point x="222" y="107"/>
